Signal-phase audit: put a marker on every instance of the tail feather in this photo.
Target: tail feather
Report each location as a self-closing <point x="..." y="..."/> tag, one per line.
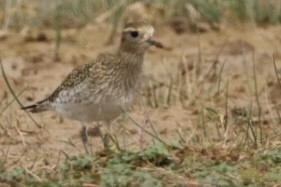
<point x="37" y="107"/>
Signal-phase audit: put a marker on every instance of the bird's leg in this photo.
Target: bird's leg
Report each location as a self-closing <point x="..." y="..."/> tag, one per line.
<point x="103" y="137"/>
<point x="84" y="138"/>
<point x="111" y="135"/>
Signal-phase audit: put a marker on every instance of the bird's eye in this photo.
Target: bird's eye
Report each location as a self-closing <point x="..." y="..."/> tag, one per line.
<point x="134" y="34"/>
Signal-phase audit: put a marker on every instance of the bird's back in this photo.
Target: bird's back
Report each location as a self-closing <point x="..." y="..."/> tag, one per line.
<point x="95" y="91"/>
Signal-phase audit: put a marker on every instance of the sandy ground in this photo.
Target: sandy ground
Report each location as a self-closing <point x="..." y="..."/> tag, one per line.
<point x="30" y="65"/>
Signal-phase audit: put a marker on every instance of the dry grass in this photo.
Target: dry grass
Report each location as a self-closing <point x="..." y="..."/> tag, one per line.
<point x="208" y="114"/>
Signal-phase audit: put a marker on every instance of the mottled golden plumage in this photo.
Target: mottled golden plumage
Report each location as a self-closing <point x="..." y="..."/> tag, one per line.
<point x="101" y="89"/>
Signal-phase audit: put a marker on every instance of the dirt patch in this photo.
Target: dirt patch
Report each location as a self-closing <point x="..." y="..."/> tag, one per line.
<point x="178" y="87"/>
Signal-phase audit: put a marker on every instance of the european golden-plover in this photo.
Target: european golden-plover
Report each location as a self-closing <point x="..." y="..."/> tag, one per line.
<point x="103" y="88"/>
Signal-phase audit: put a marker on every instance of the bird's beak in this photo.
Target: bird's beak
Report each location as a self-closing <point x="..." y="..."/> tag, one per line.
<point x="150" y="41"/>
<point x="157" y="44"/>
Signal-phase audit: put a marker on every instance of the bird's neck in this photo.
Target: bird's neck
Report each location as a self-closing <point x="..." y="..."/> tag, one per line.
<point x="131" y="58"/>
<point x="131" y="67"/>
<point x="134" y="49"/>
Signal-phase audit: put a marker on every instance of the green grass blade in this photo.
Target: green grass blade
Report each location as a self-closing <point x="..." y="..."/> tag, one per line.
<point x="15" y="96"/>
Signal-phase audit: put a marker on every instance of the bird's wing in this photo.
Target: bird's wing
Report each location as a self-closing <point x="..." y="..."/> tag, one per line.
<point x="74" y="78"/>
<point x="96" y="69"/>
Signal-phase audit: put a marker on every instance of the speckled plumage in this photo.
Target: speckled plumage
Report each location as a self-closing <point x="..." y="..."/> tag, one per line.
<point x="100" y="90"/>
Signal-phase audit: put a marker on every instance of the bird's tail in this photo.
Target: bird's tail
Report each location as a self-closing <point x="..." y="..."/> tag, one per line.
<point x="37" y="107"/>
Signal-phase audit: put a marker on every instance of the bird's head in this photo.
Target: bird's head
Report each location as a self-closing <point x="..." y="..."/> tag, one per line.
<point x="137" y="37"/>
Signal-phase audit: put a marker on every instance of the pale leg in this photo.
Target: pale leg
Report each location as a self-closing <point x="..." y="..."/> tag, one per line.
<point x="111" y="135"/>
<point x="103" y="137"/>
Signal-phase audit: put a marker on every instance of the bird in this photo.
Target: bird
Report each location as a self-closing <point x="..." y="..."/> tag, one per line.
<point x="105" y="87"/>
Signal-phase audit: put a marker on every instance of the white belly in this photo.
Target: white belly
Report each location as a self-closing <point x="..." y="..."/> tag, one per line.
<point x="88" y="112"/>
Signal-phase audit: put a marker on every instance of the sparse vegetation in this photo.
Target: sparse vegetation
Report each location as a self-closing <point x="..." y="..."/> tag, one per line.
<point x="209" y="116"/>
